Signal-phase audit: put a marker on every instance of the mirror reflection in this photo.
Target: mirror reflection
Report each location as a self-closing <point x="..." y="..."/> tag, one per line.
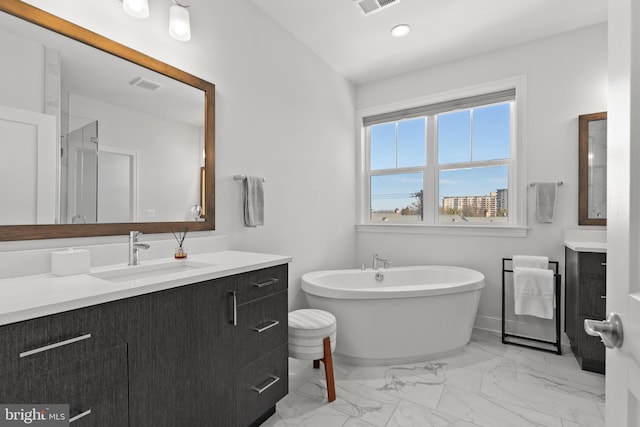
<point x="593" y="169"/>
<point x="87" y="137"/>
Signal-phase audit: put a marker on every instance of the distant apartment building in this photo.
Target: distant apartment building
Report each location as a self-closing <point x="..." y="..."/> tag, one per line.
<point x="494" y="204"/>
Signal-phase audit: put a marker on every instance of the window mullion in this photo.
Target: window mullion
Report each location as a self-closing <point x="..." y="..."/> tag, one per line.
<point x="430" y="187"/>
<point x="471" y="135"/>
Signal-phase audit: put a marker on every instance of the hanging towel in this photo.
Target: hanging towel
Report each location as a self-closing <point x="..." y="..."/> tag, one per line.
<point x="533" y="292"/>
<point x="546" y="201"/>
<point x="530" y="261"/>
<point x="253" y="201"/>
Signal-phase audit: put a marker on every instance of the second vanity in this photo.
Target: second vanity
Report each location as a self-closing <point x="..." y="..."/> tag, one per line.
<point x="586" y="293"/>
<point x="201" y="345"/>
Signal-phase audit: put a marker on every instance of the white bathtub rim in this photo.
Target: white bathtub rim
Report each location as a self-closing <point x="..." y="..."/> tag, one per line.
<point x="475" y="281"/>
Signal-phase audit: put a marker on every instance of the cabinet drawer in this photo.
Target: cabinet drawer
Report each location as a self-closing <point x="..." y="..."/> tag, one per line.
<point x="592" y="296"/>
<point x="260" y="283"/>
<point x="95" y="389"/>
<point x="261" y="384"/>
<point x="592" y="351"/>
<point x="262" y="326"/>
<point x="592" y="263"/>
<point x="39" y="345"/>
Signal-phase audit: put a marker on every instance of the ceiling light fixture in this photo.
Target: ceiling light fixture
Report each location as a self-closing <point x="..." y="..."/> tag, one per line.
<point x="136" y="8"/>
<point x="179" y="26"/>
<point x="400" y="30"/>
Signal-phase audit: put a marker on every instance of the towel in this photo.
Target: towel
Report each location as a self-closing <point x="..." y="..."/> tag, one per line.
<point x="253" y="201"/>
<point x="530" y="261"/>
<point x="533" y="292"/>
<point x="546" y="201"/>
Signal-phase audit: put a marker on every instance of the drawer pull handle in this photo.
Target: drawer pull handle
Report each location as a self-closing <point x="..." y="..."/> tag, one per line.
<point x="603" y="296"/>
<point x="82" y="415"/>
<point x="604" y="264"/>
<point x="265" y="328"/>
<point x="234" y="308"/>
<point x="264" y="388"/>
<point x="56" y="345"/>
<point x="267" y="282"/>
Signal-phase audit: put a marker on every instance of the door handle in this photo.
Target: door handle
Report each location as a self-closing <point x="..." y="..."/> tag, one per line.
<point x="610" y="330"/>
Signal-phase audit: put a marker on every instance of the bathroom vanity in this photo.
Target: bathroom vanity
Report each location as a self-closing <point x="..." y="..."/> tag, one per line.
<point x="585" y="298"/>
<point x="200" y="346"/>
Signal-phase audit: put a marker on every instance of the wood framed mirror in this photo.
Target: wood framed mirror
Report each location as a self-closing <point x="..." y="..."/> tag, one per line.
<point x="155" y="197"/>
<point x="592" y="169"/>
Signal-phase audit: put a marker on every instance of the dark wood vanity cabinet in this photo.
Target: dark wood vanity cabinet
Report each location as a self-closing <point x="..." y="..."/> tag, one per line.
<point x="204" y="354"/>
<point x="585" y="298"/>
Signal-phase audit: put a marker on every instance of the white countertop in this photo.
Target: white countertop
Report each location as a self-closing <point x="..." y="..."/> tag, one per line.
<point x="586" y="246"/>
<point x="28" y="297"/>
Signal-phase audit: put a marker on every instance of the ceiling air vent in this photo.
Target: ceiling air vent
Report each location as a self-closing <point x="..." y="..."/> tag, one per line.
<point x="145" y="84"/>
<point x="369" y="6"/>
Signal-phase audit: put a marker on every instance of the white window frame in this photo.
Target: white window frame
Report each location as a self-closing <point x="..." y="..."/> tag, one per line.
<point x="515" y="227"/>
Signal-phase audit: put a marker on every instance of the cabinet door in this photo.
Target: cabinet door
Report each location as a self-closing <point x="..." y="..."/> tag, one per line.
<point x="180" y="354"/>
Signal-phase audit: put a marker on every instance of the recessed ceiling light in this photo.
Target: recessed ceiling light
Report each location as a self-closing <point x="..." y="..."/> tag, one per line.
<point x="400" y="30"/>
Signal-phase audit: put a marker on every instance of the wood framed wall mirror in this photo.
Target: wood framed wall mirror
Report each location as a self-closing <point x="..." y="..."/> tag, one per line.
<point x="96" y="138"/>
<point x="592" y="169"/>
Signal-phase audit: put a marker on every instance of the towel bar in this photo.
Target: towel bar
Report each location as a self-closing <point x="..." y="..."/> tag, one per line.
<point x="557" y="313"/>
<point x="242" y="177"/>
<point x="533" y="184"/>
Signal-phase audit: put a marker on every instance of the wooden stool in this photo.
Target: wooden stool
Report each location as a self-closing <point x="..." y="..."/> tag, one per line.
<point x="312" y="336"/>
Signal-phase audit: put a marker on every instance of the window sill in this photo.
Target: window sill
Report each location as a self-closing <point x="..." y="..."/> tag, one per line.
<point x="452" y="230"/>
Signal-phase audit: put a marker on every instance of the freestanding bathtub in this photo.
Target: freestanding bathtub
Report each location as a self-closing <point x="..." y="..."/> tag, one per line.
<point x="404" y="315"/>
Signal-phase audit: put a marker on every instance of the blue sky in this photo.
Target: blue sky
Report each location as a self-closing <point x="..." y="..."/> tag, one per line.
<point x="460" y="139"/>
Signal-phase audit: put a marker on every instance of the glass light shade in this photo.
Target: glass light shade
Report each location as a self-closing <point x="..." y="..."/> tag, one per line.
<point x="179" y="27"/>
<point x="400" y="30"/>
<point x="136" y="8"/>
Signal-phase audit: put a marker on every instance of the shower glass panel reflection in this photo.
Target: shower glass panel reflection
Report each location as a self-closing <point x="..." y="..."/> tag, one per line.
<point x="82" y="180"/>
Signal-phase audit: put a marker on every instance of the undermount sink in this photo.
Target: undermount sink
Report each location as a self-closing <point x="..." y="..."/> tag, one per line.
<point x="145" y="271"/>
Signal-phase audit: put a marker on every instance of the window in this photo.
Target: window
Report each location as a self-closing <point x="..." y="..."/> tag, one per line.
<point x="445" y="163"/>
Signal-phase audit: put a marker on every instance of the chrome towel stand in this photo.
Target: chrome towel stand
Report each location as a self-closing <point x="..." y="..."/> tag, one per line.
<point x="556" y="313"/>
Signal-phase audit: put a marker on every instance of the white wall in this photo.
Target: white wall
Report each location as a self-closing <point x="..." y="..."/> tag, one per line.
<point x="566" y="77"/>
<point x="22" y="73"/>
<point x="281" y="113"/>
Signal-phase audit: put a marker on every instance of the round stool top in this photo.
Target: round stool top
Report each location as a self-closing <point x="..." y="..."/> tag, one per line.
<point x="310" y="319"/>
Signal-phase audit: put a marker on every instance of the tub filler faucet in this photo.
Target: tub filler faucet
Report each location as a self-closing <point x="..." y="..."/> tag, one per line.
<point x="376" y="259"/>
<point x="134" y="246"/>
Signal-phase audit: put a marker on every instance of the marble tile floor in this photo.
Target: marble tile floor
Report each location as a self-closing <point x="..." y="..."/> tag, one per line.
<point x="487" y="384"/>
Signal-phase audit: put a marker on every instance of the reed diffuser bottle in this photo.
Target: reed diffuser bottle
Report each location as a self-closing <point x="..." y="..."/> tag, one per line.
<point x="180" y="251"/>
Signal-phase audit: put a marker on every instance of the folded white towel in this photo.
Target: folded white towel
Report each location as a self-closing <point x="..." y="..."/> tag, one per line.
<point x="530" y="261"/>
<point x="546" y="201"/>
<point x="533" y="292"/>
<point x="253" y="201"/>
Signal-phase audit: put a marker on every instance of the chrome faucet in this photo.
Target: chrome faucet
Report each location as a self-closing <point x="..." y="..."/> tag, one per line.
<point x="376" y="259"/>
<point x="134" y="246"/>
